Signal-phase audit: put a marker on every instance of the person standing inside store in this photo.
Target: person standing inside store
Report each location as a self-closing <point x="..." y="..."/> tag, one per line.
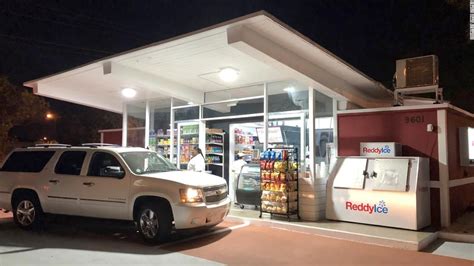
<point x="236" y="167"/>
<point x="197" y="163"/>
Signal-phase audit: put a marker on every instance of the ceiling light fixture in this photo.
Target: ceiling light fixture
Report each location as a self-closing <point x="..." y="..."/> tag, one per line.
<point x="129" y="92"/>
<point x="289" y="89"/>
<point x="190" y="103"/>
<point x="228" y="74"/>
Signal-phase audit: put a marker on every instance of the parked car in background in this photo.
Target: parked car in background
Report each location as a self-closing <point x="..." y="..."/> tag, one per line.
<point x="110" y="182"/>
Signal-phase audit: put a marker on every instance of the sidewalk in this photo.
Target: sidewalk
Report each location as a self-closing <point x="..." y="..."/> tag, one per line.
<point x="427" y="240"/>
<point x="461" y="230"/>
<point x="368" y="234"/>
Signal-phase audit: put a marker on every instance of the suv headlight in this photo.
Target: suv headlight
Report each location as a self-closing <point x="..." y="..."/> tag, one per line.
<point x="190" y="195"/>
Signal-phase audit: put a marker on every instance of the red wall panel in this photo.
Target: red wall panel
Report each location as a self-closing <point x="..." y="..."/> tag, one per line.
<point x="460" y="197"/>
<point x="114" y="137"/>
<point x="405" y="127"/>
<point x="455" y="121"/>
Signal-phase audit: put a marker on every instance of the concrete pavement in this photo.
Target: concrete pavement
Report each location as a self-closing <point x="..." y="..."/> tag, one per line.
<point x="78" y="241"/>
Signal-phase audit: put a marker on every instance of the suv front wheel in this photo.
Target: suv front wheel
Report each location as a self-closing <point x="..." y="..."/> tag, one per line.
<point x="27" y="212"/>
<point x="154" y="222"/>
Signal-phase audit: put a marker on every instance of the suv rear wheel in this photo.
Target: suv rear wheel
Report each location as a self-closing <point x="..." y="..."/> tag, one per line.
<point x="27" y="211"/>
<point x="154" y="222"/>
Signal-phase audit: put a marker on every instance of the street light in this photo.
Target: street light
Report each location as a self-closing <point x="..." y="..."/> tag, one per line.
<point x="49" y="116"/>
<point x="53" y="118"/>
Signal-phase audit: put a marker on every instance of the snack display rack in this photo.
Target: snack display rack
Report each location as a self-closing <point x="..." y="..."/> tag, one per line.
<point x="215" y="151"/>
<point x="279" y="182"/>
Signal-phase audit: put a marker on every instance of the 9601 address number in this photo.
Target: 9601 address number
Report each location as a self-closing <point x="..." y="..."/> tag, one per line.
<point x="414" y="119"/>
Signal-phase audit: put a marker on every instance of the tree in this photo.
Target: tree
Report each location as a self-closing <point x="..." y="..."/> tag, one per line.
<point x="17" y="106"/>
<point x="76" y="124"/>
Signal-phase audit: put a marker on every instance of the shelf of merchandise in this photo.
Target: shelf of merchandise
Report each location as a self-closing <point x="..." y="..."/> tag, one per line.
<point x="209" y="144"/>
<point x="279" y="183"/>
<point x="244" y="135"/>
<point x="218" y="164"/>
<point x="214" y="143"/>
<point x="215" y="153"/>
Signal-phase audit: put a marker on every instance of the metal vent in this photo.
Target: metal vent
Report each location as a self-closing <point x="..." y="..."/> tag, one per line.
<point x="420" y="71"/>
<point x="417" y="72"/>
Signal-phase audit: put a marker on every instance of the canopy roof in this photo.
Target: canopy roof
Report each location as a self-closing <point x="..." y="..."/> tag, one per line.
<point x="259" y="46"/>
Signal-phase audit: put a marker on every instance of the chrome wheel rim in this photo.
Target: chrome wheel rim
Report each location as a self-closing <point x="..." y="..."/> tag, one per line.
<point x="149" y="223"/>
<point x="25" y="212"/>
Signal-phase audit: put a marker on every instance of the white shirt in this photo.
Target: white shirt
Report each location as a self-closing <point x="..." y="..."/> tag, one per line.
<point x="197" y="164"/>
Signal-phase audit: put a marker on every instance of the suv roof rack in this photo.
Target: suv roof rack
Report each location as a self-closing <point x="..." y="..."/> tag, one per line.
<point x="52" y="145"/>
<point x="95" y="145"/>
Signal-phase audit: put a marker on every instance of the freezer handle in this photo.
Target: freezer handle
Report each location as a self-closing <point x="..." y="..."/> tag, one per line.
<point x="365" y="174"/>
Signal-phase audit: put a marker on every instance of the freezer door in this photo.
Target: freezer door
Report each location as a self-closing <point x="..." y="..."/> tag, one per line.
<point x="389" y="174"/>
<point x="351" y="174"/>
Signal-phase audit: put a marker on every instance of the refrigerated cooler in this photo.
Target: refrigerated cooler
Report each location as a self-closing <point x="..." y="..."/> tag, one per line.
<point x="188" y="138"/>
<point x="385" y="191"/>
<point x="248" y="186"/>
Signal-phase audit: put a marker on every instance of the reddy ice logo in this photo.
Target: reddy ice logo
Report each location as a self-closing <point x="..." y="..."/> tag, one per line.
<point x="380" y="150"/>
<point x="379" y="208"/>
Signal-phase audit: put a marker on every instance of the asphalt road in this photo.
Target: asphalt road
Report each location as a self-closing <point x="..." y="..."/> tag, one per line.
<point x="80" y="241"/>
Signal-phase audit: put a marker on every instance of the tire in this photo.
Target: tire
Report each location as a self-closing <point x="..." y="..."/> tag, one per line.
<point x="27" y="211"/>
<point x="154" y="222"/>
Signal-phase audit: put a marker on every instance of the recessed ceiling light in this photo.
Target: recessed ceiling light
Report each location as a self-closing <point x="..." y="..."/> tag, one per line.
<point x="228" y="74"/>
<point x="289" y="89"/>
<point x="129" y="92"/>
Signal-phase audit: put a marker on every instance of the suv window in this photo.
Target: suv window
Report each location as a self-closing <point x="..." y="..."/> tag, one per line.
<point x="70" y="163"/>
<point x="105" y="164"/>
<point x="27" y="161"/>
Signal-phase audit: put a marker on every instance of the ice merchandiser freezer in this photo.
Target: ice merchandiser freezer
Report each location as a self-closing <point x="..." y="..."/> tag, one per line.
<point x="385" y="191"/>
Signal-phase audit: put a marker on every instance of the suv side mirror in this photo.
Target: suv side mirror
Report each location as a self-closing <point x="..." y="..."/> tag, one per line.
<point x="114" y="171"/>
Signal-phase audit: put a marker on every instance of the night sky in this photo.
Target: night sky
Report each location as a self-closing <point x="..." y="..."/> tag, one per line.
<point x="39" y="38"/>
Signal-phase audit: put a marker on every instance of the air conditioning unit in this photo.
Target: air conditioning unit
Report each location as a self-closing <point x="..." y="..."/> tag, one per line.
<point x="417" y="72"/>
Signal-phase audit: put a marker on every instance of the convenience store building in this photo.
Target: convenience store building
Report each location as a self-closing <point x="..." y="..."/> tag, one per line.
<point x="247" y="77"/>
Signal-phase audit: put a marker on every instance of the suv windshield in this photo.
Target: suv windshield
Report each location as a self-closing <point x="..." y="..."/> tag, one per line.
<point x="143" y="162"/>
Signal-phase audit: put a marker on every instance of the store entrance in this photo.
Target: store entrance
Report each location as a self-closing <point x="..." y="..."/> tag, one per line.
<point x="229" y="148"/>
<point x="245" y="146"/>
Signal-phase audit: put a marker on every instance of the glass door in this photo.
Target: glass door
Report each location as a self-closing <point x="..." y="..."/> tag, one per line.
<point x="288" y="129"/>
<point x="188" y="138"/>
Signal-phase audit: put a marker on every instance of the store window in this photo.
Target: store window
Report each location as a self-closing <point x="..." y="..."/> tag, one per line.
<point x="233" y="108"/>
<point x="136" y="124"/>
<point x="286" y="96"/>
<point x="237" y="93"/>
<point x="288" y="103"/>
<point x="186" y="113"/>
<point x="324" y="130"/>
<point x="186" y="133"/>
<point x="160" y="130"/>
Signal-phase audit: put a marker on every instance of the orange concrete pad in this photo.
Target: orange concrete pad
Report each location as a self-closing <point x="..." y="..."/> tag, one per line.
<point x="259" y="245"/>
<point x="5" y="215"/>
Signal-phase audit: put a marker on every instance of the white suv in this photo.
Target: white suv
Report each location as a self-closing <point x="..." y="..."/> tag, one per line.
<point x="110" y="182"/>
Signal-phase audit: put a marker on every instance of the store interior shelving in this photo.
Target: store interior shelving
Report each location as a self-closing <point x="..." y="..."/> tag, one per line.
<point x="215" y="154"/>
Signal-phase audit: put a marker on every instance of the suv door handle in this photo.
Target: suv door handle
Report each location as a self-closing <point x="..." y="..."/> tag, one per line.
<point x="54" y="181"/>
<point x="89" y="184"/>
